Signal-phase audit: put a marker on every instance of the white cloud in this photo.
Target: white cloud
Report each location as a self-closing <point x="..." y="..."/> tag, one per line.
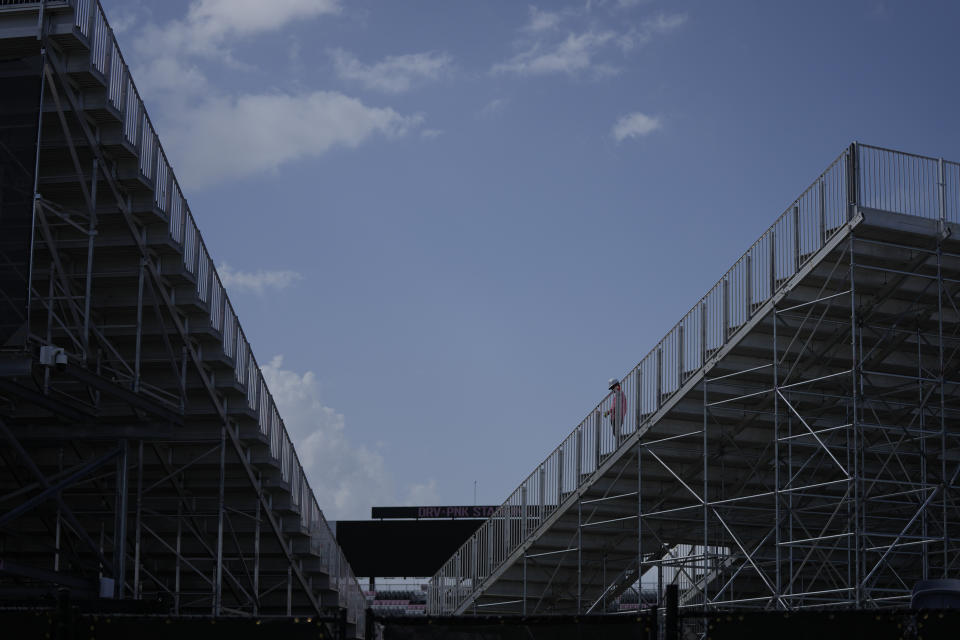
<point x="579" y="51"/>
<point x="494" y="107"/>
<point x="431" y="134"/>
<point x="422" y="494"/>
<point x="293" y="51"/>
<point x="570" y="56"/>
<point x="210" y="24"/>
<point x="256" y="281"/>
<point x="634" y="125"/>
<point x="347" y="479"/>
<point x="122" y="21"/>
<point x="211" y="135"/>
<point x="541" y="20"/>
<point x="250" y="16"/>
<point x="170" y="77"/>
<point x="230" y="137"/>
<point x="660" y="24"/>
<point x="393" y="74"/>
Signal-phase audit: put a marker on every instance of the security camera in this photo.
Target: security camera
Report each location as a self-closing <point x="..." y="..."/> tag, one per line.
<point x="51" y="356"/>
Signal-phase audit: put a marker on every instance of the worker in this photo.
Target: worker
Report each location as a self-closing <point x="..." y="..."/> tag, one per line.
<point x="617" y="409"/>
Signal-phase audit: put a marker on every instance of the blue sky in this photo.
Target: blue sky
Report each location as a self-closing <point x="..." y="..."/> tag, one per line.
<point x="445" y="224"/>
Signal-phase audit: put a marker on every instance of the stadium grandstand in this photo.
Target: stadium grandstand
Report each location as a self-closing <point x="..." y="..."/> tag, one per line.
<point x="144" y="458"/>
<point x="791" y="443"/>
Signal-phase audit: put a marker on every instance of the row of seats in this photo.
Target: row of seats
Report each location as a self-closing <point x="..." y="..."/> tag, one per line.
<point x="417" y="596"/>
<point x="398" y="602"/>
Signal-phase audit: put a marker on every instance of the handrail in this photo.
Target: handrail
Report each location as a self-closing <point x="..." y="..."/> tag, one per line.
<point x="139" y="133"/>
<point x="859" y="176"/>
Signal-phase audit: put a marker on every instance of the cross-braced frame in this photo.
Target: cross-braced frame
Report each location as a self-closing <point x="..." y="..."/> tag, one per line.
<point x="793" y="442"/>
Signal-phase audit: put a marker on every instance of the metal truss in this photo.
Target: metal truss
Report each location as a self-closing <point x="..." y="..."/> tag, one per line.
<point x="145" y="458"/>
<point x="793" y="442"/>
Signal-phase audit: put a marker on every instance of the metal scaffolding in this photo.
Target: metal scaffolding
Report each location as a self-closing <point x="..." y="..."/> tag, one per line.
<point x="144" y="457"/>
<point x="793" y="442"/>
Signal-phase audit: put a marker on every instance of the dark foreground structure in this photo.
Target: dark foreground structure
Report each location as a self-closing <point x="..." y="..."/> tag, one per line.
<point x="64" y="620"/>
<point x="143" y="457"/>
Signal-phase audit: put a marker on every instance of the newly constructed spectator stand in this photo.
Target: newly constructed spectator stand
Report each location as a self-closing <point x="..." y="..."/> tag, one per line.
<point x="143" y="455"/>
<point x="793" y="442"/>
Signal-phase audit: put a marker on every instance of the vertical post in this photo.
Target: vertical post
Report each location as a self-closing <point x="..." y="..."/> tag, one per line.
<point x="748" y="293"/>
<point x="88" y="285"/>
<point x="218" y="577"/>
<point x="788" y="475"/>
<point x="796" y="239"/>
<point x="256" y="552"/>
<point x="924" y="530"/>
<point x="706" y="494"/>
<point x="120" y="527"/>
<point x="136" y="535"/>
<point x="703" y="333"/>
<point x="853" y="182"/>
<point x="183" y="378"/>
<point x="726" y="310"/>
<point x="639" y="524"/>
<point x="523" y="537"/>
<point x="475" y="564"/>
<point x="559" y="476"/>
<point x="176" y="568"/>
<point x="488" y="530"/>
<point x="40" y="23"/>
<point x="523" y="511"/>
<point x="36" y="182"/>
<point x="603" y="580"/>
<point x="638" y="406"/>
<point x="773" y="262"/>
<point x="776" y="459"/>
<point x="59" y="518"/>
<point x="91" y="17"/>
<point x="672" y="618"/>
<point x="659" y="376"/>
<point x="660" y="594"/>
<point x="579" y="554"/>
<point x="290" y="589"/>
<point x="136" y="363"/>
<point x="524" y="592"/>
<point x="943" y="410"/>
<point x="579" y="462"/>
<point x="598" y="425"/>
<point x="508" y="517"/>
<point x="857" y="436"/>
<point x="823" y="212"/>
<point x="941" y="197"/>
<point x="679" y="355"/>
<point x="49" y="339"/>
<point x="542" y="509"/>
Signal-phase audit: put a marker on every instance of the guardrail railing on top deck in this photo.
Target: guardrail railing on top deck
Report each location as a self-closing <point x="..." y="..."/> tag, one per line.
<point x="139" y="133"/>
<point x="883" y="179"/>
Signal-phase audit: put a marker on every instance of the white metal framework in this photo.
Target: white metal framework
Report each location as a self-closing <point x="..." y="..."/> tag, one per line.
<point x="142" y="447"/>
<point x="794" y="441"/>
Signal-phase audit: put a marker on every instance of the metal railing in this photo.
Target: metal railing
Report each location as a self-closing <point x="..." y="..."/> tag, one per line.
<point x="139" y="133"/>
<point x="14" y="4"/>
<point x="864" y="176"/>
